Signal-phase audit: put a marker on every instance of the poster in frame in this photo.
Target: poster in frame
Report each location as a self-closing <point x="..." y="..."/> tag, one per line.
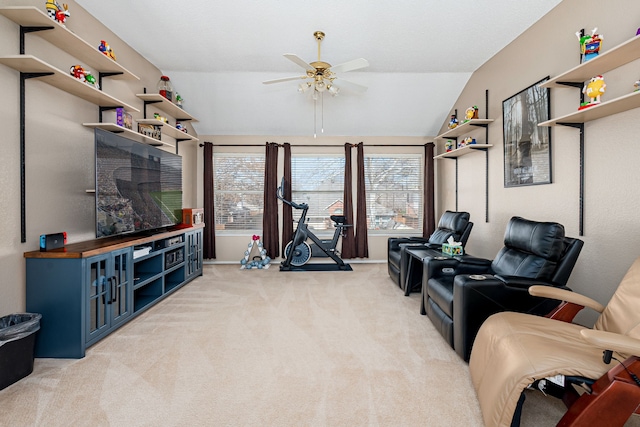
<point x="527" y="146"/>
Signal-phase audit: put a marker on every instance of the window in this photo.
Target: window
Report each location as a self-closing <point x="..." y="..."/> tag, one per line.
<point x="319" y="182"/>
<point x="394" y="192"/>
<point x="239" y="191"/>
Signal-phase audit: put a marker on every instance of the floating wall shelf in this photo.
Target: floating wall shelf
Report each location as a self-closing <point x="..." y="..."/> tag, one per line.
<point x="167" y="106"/>
<point x="462" y="151"/>
<point x="464" y="128"/>
<point x="136" y="136"/>
<point x="60" y="36"/>
<point x="575" y="77"/>
<point x="169" y="130"/>
<point x="29" y="64"/>
<point x="604" y="109"/>
<point x="607" y="61"/>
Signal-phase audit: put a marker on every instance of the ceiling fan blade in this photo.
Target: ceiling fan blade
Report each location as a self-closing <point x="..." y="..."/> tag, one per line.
<point x="284" y="79"/>
<point x="355" y="64"/>
<point x="301" y="62"/>
<point x="354" y="87"/>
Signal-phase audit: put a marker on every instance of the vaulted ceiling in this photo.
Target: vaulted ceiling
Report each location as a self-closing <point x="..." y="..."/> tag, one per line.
<point x="217" y="53"/>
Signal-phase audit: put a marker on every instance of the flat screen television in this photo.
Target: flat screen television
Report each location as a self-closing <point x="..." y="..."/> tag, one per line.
<point x="138" y="186"/>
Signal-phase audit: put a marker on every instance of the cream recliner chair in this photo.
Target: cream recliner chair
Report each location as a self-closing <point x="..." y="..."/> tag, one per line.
<point x="513" y="351"/>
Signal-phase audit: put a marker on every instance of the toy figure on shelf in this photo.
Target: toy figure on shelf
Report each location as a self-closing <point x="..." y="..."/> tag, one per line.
<point x="636" y="85"/>
<point x="594" y="89"/>
<point x="179" y="100"/>
<point x="106" y="49"/>
<point x="163" y="119"/>
<point x="466" y="141"/>
<point x="471" y="113"/>
<point x="181" y="127"/>
<point x="83" y="75"/>
<point x="448" y="146"/>
<point x="453" y="123"/>
<point x="57" y="12"/>
<point x="589" y="44"/>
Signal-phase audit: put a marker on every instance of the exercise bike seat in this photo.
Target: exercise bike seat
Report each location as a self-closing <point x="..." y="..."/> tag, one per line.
<point x="338" y="219"/>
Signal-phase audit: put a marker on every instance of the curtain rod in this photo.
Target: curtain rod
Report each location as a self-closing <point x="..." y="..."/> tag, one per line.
<point x="320" y="145"/>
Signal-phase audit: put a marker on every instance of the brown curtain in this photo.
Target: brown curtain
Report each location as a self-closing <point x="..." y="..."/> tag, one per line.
<point x="429" y="217"/>
<point x="270" y="237"/>
<point x="348" y="239"/>
<point x="362" y="240"/>
<point x="209" y="237"/>
<point x="287" y="211"/>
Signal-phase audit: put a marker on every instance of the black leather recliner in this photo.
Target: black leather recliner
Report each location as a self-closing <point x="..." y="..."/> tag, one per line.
<point x="460" y="293"/>
<point x="454" y="224"/>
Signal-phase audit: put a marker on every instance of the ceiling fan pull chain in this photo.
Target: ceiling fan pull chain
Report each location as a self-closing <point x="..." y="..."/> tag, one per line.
<point x="322" y="112"/>
<point x="315" y="115"/>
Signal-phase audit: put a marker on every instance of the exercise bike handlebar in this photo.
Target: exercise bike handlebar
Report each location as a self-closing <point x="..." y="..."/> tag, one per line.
<point x="280" y="195"/>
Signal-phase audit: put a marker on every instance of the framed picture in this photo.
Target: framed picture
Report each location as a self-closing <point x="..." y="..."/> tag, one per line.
<point x="527" y="147"/>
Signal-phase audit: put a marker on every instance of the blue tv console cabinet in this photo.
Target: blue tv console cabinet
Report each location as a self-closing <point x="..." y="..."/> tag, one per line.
<point x="86" y="290"/>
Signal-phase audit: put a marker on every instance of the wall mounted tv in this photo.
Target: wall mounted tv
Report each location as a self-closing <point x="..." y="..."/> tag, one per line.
<point x="138" y="186"/>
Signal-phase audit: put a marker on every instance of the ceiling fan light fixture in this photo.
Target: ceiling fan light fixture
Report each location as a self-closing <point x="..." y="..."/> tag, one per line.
<point x="303" y="87"/>
<point x="319" y="76"/>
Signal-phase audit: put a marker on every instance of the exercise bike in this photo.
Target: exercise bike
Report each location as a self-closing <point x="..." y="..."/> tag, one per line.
<point x="298" y="252"/>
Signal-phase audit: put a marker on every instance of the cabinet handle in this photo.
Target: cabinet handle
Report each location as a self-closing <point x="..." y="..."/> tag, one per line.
<point x="104" y="290"/>
<point x="114" y="288"/>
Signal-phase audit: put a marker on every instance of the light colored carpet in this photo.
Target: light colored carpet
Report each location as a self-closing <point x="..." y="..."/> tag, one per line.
<point x="265" y="348"/>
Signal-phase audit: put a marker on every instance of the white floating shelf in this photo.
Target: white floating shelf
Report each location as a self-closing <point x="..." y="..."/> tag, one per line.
<point x="63" y="81"/>
<point x="462" y="151"/>
<point x="606" y="61"/>
<point x="167" y="106"/>
<point x="464" y="128"/>
<point x="136" y="136"/>
<point x="169" y="130"/>
<point x="604" y="109"/>
<point x="63" y="38"/>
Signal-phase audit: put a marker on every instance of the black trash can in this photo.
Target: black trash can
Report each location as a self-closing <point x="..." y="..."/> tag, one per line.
<point x="17" y="343"/>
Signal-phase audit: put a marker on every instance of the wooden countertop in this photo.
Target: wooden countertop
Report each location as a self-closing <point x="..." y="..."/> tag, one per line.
<point x="99" y="246"/>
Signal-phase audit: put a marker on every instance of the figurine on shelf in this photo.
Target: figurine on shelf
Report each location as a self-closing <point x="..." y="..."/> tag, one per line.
<point x="163" y="119"/>
<point x="90" y="79"/>
<point x="106" y="49"/>
<point x="181" y="127"/>
<point x="470" y="114"/>
<point x="83" y="75"/>
<point x="589" y="44"/>
<point x="448" y="146"/>
<point x="453" y="123"/>
<point x="179" y="100"/>
<point x="636" y="85"/>
<point x="57" y="12"/>
<point x="594" y="89"/>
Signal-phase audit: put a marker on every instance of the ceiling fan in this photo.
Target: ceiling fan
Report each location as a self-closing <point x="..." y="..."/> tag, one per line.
<point x="320" y="75"/>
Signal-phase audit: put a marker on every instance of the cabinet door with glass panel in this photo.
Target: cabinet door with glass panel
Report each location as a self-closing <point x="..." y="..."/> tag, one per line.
<point x="109" y="294"/>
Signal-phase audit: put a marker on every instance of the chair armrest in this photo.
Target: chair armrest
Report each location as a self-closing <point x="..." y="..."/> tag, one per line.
<point x="395" y="242"/>
<point x="522" y="282"/>
<point x="477" y="298"/>
<point x="565" y="295"/>
<point x="611" y="341"/>
<point x="452" y="266"/>
<point x="472" y="260"/>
